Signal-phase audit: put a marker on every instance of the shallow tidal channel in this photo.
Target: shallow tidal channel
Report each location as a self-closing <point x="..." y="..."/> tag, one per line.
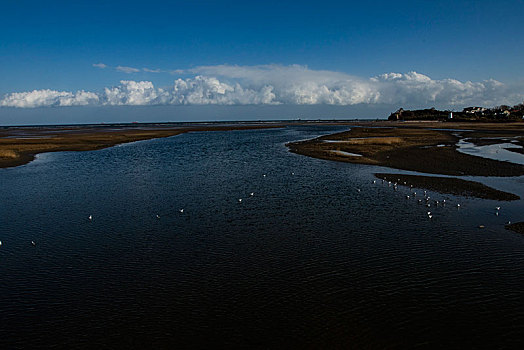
<point x="210" y="239"/>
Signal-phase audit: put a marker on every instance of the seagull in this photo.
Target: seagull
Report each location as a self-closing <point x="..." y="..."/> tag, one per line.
<point x="33" y="243"/>
<point x="264" y="175"/>
<point x="374" y="181"/>
<point x="497" y="208"/>
<point x="252" y="194"/>
<point x="458" y="205"/>
<point x="507" y="223"/>
<point x="407" y="197"/>
<point x="358" y="189"/>
<point x="0" y="243"/>
<point x="157" y="216"/>
<point x="90" y="217"/>
<point x="430" y="216"/>
<point x="292" y="173"/>
<point x="181" y="210"/>
<point x="240" y="200"/>
<point x="429" y="213"/>
<point x="428" y="205"/>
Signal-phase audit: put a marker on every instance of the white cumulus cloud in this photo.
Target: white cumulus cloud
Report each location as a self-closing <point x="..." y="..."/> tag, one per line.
<point x="209" y="90"/>
<point x="277" y="84"/>
<point x="46" y="98"/>
<point x="134" y="93"/>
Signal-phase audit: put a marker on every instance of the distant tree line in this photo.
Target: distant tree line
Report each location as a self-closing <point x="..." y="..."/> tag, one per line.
<point x="501" y="113"/>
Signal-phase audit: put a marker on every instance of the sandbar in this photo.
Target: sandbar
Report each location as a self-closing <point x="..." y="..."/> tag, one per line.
<point x="516" y="227"/>
<point x="448" y="185"/>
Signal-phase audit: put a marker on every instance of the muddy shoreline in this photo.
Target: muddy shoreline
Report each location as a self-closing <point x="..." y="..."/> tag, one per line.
<point x="421" y="148"/>
<point x="20" y="145"/>
<point x="448" y="185"/>
<point x="516" y="227"/>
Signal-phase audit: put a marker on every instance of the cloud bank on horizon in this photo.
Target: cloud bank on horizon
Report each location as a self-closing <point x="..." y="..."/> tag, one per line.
<point x="276" y="85"/>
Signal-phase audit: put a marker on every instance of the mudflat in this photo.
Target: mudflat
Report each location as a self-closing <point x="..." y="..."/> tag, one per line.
<point x="516" y="227"/>
<point x="448" y="185"/>
<point x="422" y="147"/>
<point x="19" y="145"/>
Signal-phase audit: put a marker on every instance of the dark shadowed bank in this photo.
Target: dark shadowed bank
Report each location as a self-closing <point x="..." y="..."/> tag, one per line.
<point x="516" y="227"/>
<point x="422" y="147"/>
<point x="448" y="185"/>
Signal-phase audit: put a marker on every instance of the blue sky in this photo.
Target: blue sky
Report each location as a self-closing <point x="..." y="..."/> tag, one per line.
<point x="339" y="45"/>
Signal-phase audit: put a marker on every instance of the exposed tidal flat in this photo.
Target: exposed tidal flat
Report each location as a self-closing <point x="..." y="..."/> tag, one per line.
<point x="19" y="145"/>
<point x="227" y="239"/>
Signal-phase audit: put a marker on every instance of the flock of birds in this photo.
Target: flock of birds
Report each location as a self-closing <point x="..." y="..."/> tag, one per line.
<point x="413" y="194"/>
<point x="426" y="199"/>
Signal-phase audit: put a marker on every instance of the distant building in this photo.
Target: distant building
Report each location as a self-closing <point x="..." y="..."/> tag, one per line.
<point x="473" y="110"/>
<point x="396" y="115"/>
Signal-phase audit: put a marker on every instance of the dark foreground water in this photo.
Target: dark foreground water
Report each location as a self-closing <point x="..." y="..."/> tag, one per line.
<point x="307" y="261"/>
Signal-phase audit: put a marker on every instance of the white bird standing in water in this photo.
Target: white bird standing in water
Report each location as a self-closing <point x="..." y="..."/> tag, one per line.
<point x="33" y="243"/>
<point x="252" y="194"/>
<point x="240" y="200"/>
<point x="90" y="217"/>
<point x="181" y="210"/>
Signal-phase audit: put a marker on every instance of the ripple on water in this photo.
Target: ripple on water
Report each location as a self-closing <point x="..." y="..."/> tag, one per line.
<point x="307" y="261"/>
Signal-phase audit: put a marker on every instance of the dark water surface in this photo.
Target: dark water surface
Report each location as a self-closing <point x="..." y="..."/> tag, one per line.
<point x="307" y="261"/>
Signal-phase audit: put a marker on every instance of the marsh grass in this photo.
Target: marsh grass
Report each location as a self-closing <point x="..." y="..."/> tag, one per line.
<point x="8" y="154"/>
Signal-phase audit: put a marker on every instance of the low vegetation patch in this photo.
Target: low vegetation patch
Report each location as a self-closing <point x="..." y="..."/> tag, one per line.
<point x="8" y="154"/>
